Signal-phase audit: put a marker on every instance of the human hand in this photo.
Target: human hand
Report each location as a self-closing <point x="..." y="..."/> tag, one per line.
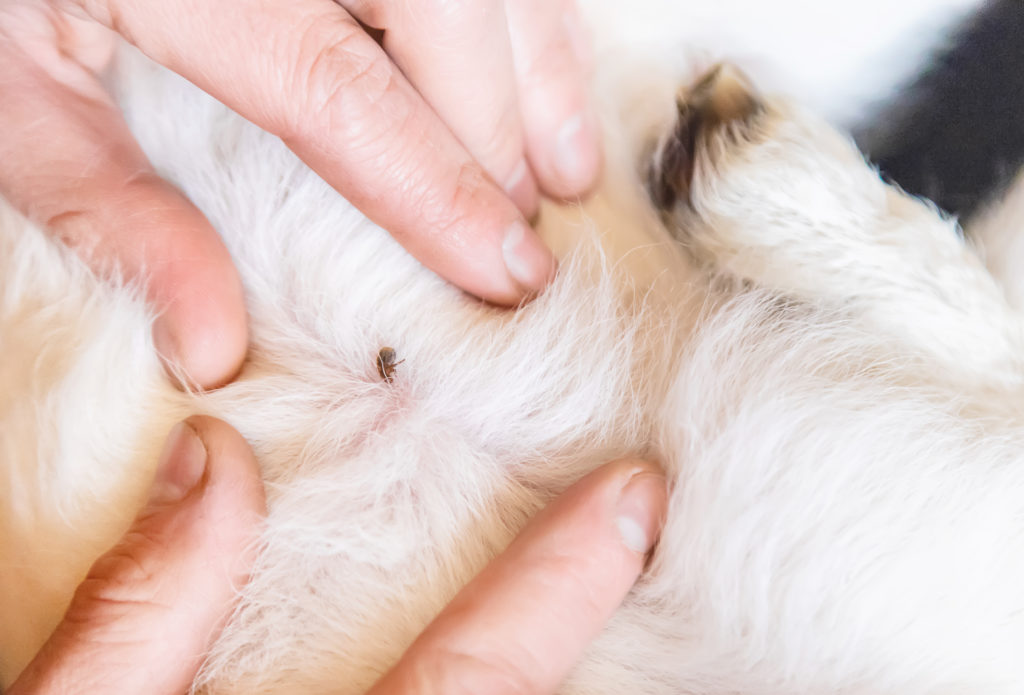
<point x="145" y="614"/>
<point x="467" y="105"/>
<point x="520" y="626"/>
<point x="141" y="621"/>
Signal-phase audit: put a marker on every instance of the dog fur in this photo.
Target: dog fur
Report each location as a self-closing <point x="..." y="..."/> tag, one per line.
<point x="828" y="374"/>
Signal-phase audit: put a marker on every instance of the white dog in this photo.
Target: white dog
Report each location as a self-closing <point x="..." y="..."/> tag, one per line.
<point x="828" y="374"/>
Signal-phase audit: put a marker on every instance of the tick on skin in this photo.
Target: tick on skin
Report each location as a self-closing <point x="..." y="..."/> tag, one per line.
<point x="386" y="364"/>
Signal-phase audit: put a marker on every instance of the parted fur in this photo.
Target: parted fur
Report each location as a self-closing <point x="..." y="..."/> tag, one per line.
<point x="827" y="373"/>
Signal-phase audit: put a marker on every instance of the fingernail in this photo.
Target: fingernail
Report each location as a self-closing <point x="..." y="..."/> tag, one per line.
<point x="527" y="258"/>
<point x="181" y="465"/>
<point x="641" y="509"/>
<point x="522" y="189"/>
<point x="576" y="155"/>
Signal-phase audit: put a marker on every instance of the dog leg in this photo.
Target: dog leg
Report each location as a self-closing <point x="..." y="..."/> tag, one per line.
<point x="762" y="191"/>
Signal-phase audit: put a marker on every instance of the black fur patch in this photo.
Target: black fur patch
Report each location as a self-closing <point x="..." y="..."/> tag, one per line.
<point x="956" y="135"/>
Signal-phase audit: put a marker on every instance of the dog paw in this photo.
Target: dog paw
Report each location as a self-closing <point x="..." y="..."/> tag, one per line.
<point x="722" y="106"/>
<point x="760" y="189"/>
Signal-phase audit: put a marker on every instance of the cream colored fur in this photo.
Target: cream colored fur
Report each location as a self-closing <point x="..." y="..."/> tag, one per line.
<point x="830" y="378"/>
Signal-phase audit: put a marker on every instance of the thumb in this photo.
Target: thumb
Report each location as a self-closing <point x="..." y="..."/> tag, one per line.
<point x="147" y="611"/>
<point x="522" y="623"/>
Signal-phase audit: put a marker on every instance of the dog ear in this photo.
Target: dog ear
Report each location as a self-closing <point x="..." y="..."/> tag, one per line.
<point x="723" y="98"/>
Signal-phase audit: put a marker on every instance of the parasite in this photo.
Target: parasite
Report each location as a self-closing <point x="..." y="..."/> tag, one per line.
<point x="386" y="363"/>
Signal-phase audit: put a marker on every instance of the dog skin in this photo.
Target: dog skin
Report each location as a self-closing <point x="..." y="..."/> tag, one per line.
<point x="827" y="373"/>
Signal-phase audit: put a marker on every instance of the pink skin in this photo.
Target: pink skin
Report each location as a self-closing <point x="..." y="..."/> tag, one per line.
<point x="499" y="99"/>
<point x="145" y="614"/>
<point x="442" y="136"/>
<point x="522" y="624"/>
<point x="142" y="619"/>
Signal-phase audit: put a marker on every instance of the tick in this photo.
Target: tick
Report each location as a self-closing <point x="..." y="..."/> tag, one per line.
<point x="386" y="364"/>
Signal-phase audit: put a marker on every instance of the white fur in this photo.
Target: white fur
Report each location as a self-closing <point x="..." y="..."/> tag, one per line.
<point x="997" y="231"/>
<point x="832" y="389"/>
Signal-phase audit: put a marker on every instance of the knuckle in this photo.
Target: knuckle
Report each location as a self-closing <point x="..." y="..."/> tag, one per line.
<point x="106" y="12"/>
<point x="342" y="76"/>
<point x="454" y="212"/>
<point x="550" y="58"/>
<point x="129" y="575"/>
<point x="131" y="563"/>
<point x="72" y="229"/>
<point x="85" y="228"/>
<point x="468" y="185"/>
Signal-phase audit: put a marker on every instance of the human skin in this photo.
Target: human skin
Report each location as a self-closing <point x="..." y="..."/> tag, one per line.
<point x="444" y="133"/>
<point x="148" y="609"/>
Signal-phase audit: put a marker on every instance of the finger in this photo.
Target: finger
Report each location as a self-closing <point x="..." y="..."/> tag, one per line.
<point x="458" y="56"/>
<point x="142" y="620"/>
<point x="552" y="61"/>
<point x="70" y="163"/>
<point x="306" y="71"/>
<point x="523" y="622"/>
